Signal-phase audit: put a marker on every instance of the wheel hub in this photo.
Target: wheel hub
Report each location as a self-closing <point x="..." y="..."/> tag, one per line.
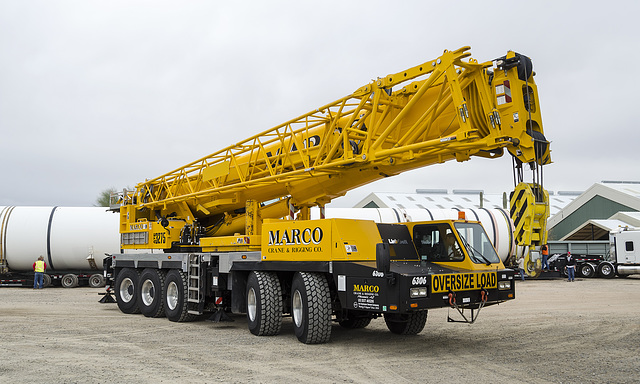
<point x="126" y="290"/>
<point x="251" y="304"/>
<point x="296" y="308"/>
<point x="172" y="295"/>
<point x="148" y="292"/>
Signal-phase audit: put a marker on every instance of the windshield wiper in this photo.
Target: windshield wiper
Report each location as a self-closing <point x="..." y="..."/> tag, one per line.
<point x="473" y="254"/>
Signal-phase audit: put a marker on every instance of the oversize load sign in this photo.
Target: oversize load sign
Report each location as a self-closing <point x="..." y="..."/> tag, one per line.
<point x="463" y="282"/>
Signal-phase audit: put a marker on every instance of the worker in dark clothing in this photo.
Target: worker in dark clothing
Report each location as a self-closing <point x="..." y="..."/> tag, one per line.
<point x="571" y="267"/>
<point x="39" y="267"/>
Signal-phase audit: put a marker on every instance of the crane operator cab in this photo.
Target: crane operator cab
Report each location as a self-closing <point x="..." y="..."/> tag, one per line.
<point x="439" y="242"/>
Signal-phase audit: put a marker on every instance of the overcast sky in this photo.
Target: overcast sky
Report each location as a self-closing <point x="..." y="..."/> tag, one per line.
<point x="99" y="94"/>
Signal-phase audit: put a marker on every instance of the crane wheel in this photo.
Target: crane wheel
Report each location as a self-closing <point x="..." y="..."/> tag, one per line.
<point x="151" y="292"/>
<point x="125" y="289"/>
<point x="407" y="324"/>
<point x="264" y="304"/>
<point x="311" y="308"/>
<point x="355" y="322"/>
<point x="176" y="297"/>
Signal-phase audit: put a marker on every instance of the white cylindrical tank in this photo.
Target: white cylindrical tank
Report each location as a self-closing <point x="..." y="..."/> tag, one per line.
<point x="76" y="238"/>
<point x="496" y="222"/>
<point x="69" y="238"/>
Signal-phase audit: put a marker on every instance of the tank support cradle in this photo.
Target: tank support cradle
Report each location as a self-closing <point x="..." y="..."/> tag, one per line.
<point x="484" y="295"/>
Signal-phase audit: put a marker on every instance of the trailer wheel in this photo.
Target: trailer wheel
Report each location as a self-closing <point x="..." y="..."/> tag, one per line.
<point x="151" y="290"/>
<point x="46" y="281"/>
<point x="176" y="294"/>
<point x="69" y="281"/>
<point x="311" y="308"/>
<point x="606" y="270"/>
<point x="96" y="281"/>
<point x="408" y="324"/>
<point x="355" y="322"/>
<point x="264" y="304"/>
<point x="126" y="283"/>
<point x="587" y="270"/>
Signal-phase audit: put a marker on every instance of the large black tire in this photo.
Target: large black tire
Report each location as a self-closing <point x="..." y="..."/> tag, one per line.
<point x="606" y="270"/>
<point x="355" y="322"/>
<point x="125" y="289"/>
<point x="176" y="294"/>
<point x="96" y="280"/>
<point x="408" y="324"/>
<point x="311" y="308"/>
<point x="69" y="281"/>
<point x="46" y="281"/>
<point x="586" y="270"/>
<point x="151" y="299"/>
<point x="264" y="304"/>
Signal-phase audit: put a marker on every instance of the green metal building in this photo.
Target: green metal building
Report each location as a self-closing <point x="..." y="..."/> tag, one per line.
<point x="582" y="219"/>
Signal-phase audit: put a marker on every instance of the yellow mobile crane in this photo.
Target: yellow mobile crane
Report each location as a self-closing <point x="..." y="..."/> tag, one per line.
<point x="232" y="231"/>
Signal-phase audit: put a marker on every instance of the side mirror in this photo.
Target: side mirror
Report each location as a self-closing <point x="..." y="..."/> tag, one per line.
<point x="383" y="258"/>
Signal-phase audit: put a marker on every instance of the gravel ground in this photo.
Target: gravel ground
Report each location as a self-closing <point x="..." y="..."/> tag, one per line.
<point x="554" y="332"/>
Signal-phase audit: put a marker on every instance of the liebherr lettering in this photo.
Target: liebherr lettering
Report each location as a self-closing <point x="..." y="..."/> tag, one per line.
<point x="296" y="236"/>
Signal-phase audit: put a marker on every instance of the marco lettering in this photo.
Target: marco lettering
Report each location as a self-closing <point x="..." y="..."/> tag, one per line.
<point x="296" y="236"/>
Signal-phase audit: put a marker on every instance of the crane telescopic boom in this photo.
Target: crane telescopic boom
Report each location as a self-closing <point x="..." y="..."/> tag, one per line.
<point x="449" y="108"/>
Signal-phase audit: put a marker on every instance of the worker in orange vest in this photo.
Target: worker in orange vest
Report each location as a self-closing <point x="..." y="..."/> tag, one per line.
<point x="39" y="267"/>
<point x="545" y="257"/>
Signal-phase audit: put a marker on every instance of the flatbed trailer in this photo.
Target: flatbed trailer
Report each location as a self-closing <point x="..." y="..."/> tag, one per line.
<point x="65" y="279"/>
<point x="617" y="256"/>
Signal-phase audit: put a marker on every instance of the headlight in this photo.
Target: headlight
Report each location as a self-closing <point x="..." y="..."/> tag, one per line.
<point x="418" y="292"/>
<point x="504" y="285"/>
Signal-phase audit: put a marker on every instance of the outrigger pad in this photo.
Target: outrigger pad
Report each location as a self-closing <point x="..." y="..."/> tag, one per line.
<point x="219" y="316"/>
<point x="108" y="298"/>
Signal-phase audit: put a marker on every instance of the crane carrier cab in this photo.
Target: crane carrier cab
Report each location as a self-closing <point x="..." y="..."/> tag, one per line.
<point x="321" y="271"/>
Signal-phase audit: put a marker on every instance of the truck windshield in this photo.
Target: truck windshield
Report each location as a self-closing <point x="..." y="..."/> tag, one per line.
<point x="478" y="246"/>
<point x="437" y="242"/>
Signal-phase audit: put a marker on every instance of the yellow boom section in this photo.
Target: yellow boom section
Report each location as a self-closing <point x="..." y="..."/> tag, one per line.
<point x="452" y="107"/>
